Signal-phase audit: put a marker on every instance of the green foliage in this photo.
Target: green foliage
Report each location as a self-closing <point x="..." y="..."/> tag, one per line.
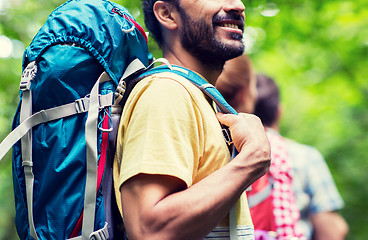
<point x="316" y="51"/>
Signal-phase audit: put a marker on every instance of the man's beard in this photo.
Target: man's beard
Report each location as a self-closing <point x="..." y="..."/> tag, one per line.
<point x="199" y="39"/>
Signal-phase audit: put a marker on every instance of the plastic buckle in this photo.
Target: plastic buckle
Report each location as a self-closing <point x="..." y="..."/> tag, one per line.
<point x="120" y="91"/>
<point x="27" y="163"/>
<point x="27" y="76"/>
<point x="227" y="135"/>
<point x="101" y="234"/>
<point x="80" y="105"/>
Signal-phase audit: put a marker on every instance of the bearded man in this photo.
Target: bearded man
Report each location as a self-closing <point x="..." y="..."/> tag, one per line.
<point x="172" y="174"/>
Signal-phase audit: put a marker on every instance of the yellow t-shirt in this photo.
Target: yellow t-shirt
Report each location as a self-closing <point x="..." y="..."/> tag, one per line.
<point x="168" y="127"/>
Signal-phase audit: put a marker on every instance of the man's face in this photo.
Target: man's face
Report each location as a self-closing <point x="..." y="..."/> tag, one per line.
<point x="212" y="30"/>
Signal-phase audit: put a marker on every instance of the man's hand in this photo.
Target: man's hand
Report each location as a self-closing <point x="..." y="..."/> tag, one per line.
<point x="245" y="129"/>
<point x="163" y="207"/>
<point x="250" y="139"/>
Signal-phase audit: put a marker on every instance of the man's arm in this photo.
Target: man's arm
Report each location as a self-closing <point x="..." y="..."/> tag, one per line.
<point x="329" y="225"/>
<point x="162" y="207"/>
<point x="325" y="199"/>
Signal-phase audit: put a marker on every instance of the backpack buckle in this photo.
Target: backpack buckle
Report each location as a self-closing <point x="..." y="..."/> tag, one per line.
<point x="227" y="135"/>
<point x="28" y="75"/>
<point x="81" y="105"/>
<point x="101" y="234"/>
<point x="120" y="91"/>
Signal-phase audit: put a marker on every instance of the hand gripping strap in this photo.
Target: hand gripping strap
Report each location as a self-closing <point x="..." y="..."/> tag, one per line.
<point x="221" y="103"/>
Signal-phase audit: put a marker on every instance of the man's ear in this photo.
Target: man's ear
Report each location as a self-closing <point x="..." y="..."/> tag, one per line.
<point x="166" y="14"/>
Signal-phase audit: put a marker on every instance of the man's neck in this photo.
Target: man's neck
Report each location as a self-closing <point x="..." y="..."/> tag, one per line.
<point x="275" y="126"/>
<point x="185" y="59"/>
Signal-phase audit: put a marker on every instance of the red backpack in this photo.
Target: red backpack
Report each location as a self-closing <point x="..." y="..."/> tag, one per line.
<point x="271" y="200"/>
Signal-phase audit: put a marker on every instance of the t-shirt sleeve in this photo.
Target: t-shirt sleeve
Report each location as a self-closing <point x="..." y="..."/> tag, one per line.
<point x="160" y="131"/>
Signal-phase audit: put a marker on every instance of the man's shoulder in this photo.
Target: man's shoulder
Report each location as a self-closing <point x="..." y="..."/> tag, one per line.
<point x="304" y="156"/>
<point x="169" y="84"/>
<point x="169" y="78"/>
<point x="300" y="147"/>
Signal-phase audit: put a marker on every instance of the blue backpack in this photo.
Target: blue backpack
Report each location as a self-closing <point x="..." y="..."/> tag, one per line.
<point x="77" y="74"/>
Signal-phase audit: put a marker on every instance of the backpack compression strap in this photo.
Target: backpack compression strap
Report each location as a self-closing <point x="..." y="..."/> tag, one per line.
<point x="79" y="106"/>
<point x="90" y="104"/>
<point x="26" y="141"/>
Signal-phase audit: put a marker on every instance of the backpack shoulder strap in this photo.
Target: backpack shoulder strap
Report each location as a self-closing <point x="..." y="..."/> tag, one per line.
<point x="197" y="80"/>
<point x="136" y="71"/>
<point x="209" y="90"/>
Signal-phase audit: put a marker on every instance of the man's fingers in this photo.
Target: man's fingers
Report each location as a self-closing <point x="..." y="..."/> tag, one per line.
<point x="229" y="119"/>
<point x="225" y="119"/>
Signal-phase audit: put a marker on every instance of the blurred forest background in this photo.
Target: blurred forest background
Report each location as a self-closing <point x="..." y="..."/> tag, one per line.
<point x="317" y="50"/>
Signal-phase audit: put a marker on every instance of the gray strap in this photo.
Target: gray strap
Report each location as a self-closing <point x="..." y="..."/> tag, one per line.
<point x="102" y="234"/>
<point x="79" y="106"/>
<point x="104" y="77"/>
<point x="91" y="163"/>
<point x="233" y="226"/>
<point x="257" y="198"/>
<point x="137" y="65"/>
<point x="26" y="141"/>
<point x="132" y="68"/>
<point x="29" y="178"/>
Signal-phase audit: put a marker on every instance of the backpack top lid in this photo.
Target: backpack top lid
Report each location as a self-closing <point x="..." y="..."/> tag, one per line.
<point x="105" y="29"/>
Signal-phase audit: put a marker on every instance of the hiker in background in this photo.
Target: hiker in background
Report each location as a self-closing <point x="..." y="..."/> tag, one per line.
<point x="173" y="178"/>
<point x="316" y="194"/>
<point x="274" y="217"/>
<point x="237" y="83"/>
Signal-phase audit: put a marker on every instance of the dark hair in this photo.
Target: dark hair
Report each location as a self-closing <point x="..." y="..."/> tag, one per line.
<point x="268" y="99"/>
<point x="151" y="21"/>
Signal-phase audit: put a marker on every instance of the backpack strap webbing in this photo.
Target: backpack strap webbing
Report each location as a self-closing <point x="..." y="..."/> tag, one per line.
<point x="101" y="234"/>
<point x="260" y="196"/>
<point x="26" y="141"/>
<point x="22" y="132"/>
<point x="43" y="116"/>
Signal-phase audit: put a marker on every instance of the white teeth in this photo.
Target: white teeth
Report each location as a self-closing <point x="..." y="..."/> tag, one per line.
<point x="229" y="25"/>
